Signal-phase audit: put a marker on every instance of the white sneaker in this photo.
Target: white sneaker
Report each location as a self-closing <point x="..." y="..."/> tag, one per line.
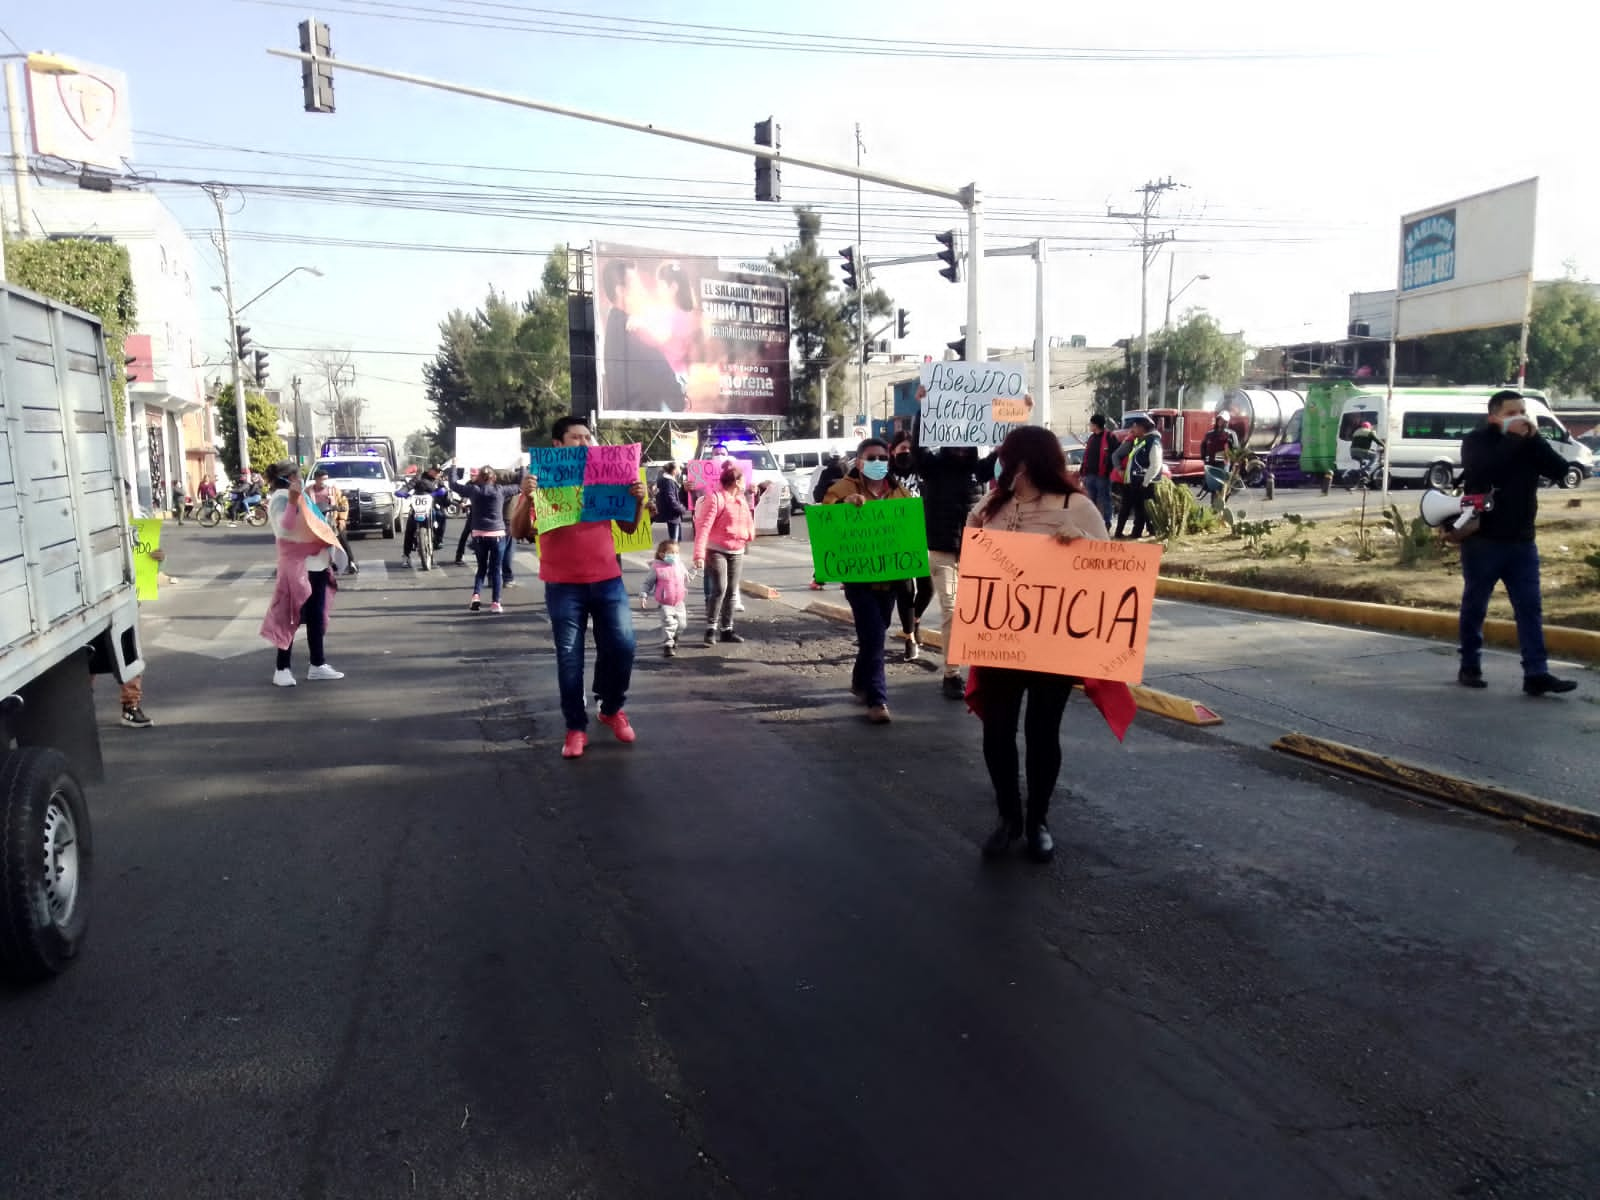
<point x="283" y="679"/>
<point x="324" y="672"/>
<point x="738" y="604"/>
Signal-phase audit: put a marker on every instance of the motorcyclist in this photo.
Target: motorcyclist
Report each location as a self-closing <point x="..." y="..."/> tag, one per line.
<point x="249" y="485"/>
<point x="1364" y="448"/>
<point x="427" y="483"/>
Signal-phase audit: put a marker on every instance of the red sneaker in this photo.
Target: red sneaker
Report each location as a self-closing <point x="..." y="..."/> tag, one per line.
<point x="573" y="747"/>
<point x="618" y="723"/>
<point x="818" y="587"/>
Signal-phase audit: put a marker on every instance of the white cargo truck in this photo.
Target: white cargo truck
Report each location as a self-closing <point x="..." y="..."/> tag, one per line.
<point x="68" y="611"/>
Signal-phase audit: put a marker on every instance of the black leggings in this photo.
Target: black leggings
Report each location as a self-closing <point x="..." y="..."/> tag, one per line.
<point x="466" y="532"/>
<point x="911" y="598"/>
<point x="1001" y="692"/>
<point x="314" y="617"/>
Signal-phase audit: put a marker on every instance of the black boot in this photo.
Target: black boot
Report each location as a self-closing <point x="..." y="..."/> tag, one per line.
<point x="999" y="842"/>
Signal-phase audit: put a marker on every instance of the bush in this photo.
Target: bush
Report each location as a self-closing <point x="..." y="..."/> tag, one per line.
<point x="1175" y="512"/>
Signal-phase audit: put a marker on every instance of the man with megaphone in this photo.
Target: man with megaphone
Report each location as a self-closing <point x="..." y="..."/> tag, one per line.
<point x="1505" y="460"/>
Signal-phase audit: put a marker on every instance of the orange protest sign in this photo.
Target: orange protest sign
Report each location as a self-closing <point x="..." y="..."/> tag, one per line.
<point x="1007" y="410"/>
<point x="1031" y="603"/>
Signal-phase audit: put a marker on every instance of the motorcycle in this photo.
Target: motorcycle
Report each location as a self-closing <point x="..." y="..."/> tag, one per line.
<point x="251" y="509"/>
<point x="422" y="505"/>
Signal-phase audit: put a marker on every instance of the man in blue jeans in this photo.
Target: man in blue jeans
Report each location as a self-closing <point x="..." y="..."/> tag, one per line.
<point x="1505" y="460"/>
<point x="1096" y="469"/>
<point x="582" y="576"/>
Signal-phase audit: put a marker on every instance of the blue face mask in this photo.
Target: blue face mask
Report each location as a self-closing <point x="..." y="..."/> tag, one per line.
<point x="669" y="559"/>
<point x="876" y="469"/>
<point x="998" y="469"/>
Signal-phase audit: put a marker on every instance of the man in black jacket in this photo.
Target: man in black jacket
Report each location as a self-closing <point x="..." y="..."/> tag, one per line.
<point x="669" y="500"/>
<point x="951" y="485"/>
<point x="1505" y="460"/>
<point x="1096" y="470"/>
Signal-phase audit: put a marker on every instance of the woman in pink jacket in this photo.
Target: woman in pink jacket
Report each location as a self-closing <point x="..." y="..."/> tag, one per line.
<point x="303" y="594"/>
<point x="724" y="525"/>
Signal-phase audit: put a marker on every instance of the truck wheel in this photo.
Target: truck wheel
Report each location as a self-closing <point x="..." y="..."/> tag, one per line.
<point x="45" y="859"/>
<point x="1441" y="476"/>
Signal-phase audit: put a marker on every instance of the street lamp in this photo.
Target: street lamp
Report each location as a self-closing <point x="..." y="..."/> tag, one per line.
<point x="1166" y="320"/>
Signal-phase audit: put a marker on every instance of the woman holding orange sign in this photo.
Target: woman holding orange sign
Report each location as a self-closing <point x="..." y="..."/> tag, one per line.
<point x="1033" y="493"/>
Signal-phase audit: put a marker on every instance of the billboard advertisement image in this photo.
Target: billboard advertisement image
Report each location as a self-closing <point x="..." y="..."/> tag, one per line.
<point x="686" y="336"/>
<point x="1467" y="264"/>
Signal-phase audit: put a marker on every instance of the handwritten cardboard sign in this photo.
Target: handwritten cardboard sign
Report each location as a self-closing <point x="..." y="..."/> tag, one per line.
<point x="1007" y="411"/>
<point x="705" y="474"/>
<point x="559" y="466"/>
<point x="612" y="465"/>
<point x="878" y="541"/>
<point x="642" y="538"/>
<point x="607" y="502"/>
<point x="962" y="403"/>
<point x="1031" y="603"/>
<point x="146" y="570"/>
<point x="556" y="507"/>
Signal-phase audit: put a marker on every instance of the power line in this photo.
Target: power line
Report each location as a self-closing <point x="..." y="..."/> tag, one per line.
<point x="730" y="37"/>
<point x="15" y="45"/>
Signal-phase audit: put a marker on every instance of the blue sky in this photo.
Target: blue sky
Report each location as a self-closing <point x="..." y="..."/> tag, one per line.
<point x="1297" y="167"/>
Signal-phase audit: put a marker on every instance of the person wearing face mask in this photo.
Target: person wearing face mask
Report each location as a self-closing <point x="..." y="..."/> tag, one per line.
<point x="668" y="585"/>
<point x="914" y="595"/>
<point x="724" y="524"/>
<point x="872" y="604"/>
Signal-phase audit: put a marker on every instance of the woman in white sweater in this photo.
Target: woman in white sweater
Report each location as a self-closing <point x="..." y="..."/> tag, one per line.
<point x="1032" y="494"/>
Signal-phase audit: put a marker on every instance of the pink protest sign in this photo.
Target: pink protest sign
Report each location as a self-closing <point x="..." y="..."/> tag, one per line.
<point x="612" y="465"/>
<point x="705" y="474"/>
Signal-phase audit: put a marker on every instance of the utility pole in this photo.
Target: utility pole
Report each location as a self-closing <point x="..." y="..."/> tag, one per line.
<point x="299" y="438"/>
<point x="1148" y="246"/>
<point x="861" y="292"/>
<point x="240" y="408"/>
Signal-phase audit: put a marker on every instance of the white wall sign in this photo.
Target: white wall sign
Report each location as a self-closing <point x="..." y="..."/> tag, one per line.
<point x="83" y="117"/>
<point x="1467" y="264"/>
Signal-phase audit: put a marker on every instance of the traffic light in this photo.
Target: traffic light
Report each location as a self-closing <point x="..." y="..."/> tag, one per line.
<point x="849" y="256"/>
<point x="317" y="77"/>
<point x="261" y="368"/>
<point x="241" y="342"/>
<point x="952" y="268"/>
<point x="902" y="323"/>
<point x="769" y="180"/>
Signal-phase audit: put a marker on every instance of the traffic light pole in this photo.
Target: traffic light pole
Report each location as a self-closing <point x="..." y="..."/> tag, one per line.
<point x="240" y="407"/>
<point x="967" y="197"/>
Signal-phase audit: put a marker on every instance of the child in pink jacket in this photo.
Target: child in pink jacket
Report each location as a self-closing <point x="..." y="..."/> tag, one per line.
<point x="669" y="584"/>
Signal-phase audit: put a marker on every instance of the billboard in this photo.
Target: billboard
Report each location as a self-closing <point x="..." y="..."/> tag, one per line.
<point x="1467" y="264"/>
<point x="684" y="336"/>
<point x="82" y="117"/>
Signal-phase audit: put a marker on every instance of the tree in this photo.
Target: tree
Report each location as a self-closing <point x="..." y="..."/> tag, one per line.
<point x="421" y="448"/>
<point x="1198" y="353"/>
<point x="820" y="337"/>
<point x="506" y="364"/>
<point x="92" y="275"/>
<point x="1116" y="384"/>
<point x="261" y="418"/>
<point x="1563" y="345"/>
<point x="342" y="409"/>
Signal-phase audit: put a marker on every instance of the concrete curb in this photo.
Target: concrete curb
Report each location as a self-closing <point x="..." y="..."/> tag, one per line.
<point x="759" y="591"/>
<point x="1559" y="639"/>
<point x="1162" y="704"/>
<point x="1464" y="793"/>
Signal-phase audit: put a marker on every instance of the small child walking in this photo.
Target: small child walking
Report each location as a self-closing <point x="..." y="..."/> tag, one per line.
<point x="669" y="584"/>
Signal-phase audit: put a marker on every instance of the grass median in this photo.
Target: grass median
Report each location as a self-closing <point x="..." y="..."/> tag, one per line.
<point x="1390" y="558"/>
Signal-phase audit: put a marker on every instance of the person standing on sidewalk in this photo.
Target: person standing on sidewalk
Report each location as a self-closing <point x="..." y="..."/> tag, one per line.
<point x="1096" y="470"/>
<point x="724" y="524"/>
<point x="669" y="501"/>
<point x="872" y="604"/>
<point x="951" y="484"/>
<point x="1505" y="460"/>
<point x="1033" y="494"/>
<point x="1142" y="472"/>
<point x="582" y="575"/>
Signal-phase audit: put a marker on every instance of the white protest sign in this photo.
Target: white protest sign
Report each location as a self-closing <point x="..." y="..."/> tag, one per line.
<point x="497" y="448"/>
<point x="972" y="404"/>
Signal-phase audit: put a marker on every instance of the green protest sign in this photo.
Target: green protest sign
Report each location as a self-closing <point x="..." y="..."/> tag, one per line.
<point x="879" y="541"/>
<point x="146" y="567"/>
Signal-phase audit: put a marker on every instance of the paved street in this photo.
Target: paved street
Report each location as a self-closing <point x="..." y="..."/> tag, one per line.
<point x="375" y="938"/>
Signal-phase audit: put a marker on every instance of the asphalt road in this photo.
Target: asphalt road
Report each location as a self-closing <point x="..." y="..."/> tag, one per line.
<point x="375" y="938"/>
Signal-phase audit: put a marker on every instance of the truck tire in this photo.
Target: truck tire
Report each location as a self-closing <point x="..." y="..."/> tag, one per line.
<point x="45" y="858"/>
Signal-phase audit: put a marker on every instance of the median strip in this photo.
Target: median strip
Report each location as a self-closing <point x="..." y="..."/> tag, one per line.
<point x="1436" y="785"/>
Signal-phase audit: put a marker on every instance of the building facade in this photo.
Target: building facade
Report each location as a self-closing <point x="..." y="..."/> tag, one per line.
<point x="171" y="429"/>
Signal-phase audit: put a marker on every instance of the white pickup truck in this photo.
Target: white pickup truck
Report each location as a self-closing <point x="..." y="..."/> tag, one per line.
<point x="68" y="611"/>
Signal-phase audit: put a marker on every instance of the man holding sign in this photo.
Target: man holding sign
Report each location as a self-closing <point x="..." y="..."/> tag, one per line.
<point x="582" y="575"/>
<point x="1006" y="608"/>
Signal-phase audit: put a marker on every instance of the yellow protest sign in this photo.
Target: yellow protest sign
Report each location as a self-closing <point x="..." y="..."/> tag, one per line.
<point x="642" y="538"/>
<point x="146" y="569"/>
<point x="1031" y="603"/>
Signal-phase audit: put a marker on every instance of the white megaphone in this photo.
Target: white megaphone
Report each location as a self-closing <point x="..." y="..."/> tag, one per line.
<point x="1438" y="507"/>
